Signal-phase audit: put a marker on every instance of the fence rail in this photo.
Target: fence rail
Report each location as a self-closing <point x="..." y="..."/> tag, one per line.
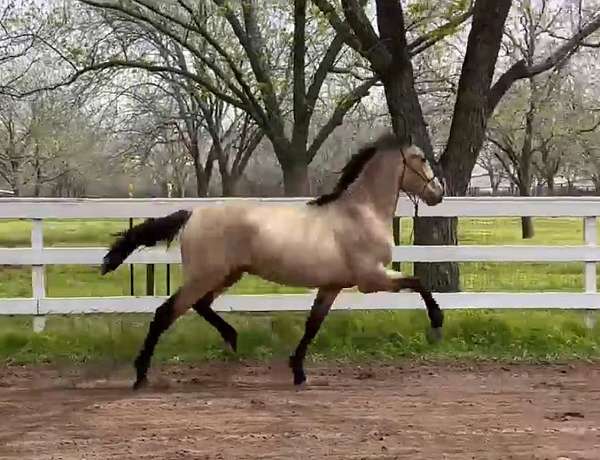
<point x="37" y="256"/>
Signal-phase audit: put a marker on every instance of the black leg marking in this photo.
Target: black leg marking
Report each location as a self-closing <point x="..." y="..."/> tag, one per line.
<point x="318" y="312"/>
<point x="436" y="315"/>
<point x="227" y="331"/>
<point x="163" y="318"/>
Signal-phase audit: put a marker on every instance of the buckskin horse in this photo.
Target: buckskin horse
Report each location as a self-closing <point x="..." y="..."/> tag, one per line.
<point x="336" y="241"/>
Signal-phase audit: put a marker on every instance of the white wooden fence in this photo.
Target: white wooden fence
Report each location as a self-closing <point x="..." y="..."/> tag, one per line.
<point x="38" y="256"/>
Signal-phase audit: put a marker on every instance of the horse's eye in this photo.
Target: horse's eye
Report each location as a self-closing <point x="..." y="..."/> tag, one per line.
<point x="423" y="160"/>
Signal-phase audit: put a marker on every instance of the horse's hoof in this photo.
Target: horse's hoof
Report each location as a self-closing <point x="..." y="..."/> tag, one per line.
<point x="299" y="377"/>
<point x="436" y="317"/>
<point x="231" y="341"/>
<point x="299" y="380"/>
<point x="140" y="383"/>
<point x="300" y="386"/>
<point x="434" y="335"/>
<point x="298" y="370"/>
<point x="231" y="345"/>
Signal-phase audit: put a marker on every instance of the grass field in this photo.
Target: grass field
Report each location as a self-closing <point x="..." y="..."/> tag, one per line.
<point x="385" y="335"/>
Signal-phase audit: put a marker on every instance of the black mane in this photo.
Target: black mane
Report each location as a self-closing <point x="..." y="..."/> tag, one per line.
<point x="355" y="165"/>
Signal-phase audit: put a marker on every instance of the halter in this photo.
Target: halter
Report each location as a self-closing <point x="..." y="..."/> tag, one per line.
<point x="414" y="198"/>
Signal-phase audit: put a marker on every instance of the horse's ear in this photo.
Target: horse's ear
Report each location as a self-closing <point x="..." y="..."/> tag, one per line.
<point x="409" y="139"/>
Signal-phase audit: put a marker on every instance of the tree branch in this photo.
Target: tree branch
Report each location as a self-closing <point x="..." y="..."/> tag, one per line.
<point x="582" y="44"/>
<point x="325" y="66"/>
<point x="299" y="54"/>
<point x="202" y="31"/>
<point x="514" y="179"/>
<point x="337" y="117"/>
<point x="253" y="44"/>
<point x="242" y="160"/>
<point x="506" y="148"/>
<point x="341" y="27"/>
<point x="430" y="38"/>
<point x="210" y="63"/>
<point x="116" y="63"/>
<point x="360" y="24"/>
<point x="589" y="130"/>
<point x="520" y="69"/>
<point x="371" y="46"/>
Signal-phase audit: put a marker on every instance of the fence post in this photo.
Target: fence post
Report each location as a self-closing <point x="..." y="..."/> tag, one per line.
<point x="131" y="266"/>
<point x="396" y="229"/>
<point x="150" y="279"/>
<point x="38" y="275"/>
<point x="168" y="271"/>
<point x="590" y="237"/>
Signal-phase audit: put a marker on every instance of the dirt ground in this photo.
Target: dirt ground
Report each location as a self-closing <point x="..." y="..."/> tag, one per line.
<point x="236" y="411"/>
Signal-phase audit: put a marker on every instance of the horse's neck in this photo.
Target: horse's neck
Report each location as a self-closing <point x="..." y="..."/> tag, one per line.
<point x="378" y="186"/>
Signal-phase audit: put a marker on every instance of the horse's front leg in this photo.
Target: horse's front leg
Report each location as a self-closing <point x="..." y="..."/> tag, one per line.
<point x="318" y="312"/>
<point x="392" y="281"/>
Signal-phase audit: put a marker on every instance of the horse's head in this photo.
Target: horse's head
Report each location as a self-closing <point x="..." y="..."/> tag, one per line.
<point x="417" y="177"/>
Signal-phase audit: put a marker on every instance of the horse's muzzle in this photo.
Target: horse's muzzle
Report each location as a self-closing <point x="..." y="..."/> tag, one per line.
<point x="433" y="193"/>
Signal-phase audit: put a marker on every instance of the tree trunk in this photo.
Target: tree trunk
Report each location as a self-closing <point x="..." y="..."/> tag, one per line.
<point x="201" y="182"/>
<point x="201" y="187"/>
<point x="550" y="185"/>
<point x="596" y="180"/>
<point x="15" y="182"/>
<point x="440" y="276"/>
<point x="229" y="183"/>
<point x="406" y="114"/>
<point x="494" y="181"/>
<point x="16" y="189"/>
<point x="295" y="179"/>
<point x="527" y="229"/>
<point x="201" y="178"/>
<point x="37" y="186"/>
<point x="467" y="133"/>
<point x="495" y="187"/>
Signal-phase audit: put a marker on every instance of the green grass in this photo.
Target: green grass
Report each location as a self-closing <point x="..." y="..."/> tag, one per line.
<point x="506" y="335"/>
<point x="383" y="335"/>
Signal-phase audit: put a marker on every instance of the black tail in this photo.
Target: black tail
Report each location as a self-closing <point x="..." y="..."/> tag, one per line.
<point x="148" y="233"/>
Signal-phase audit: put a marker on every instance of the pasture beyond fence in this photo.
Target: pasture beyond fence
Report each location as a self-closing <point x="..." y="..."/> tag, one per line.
<point x="38" y="256"/>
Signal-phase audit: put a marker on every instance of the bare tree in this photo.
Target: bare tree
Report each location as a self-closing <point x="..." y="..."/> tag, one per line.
<point x="586" y="161"/>
<point x="14" y="143"/>
<point x="489" y="162"/>
<point x="515" y="131"/>
<point x="234" y="61"/>
<point x="169" y="111"/>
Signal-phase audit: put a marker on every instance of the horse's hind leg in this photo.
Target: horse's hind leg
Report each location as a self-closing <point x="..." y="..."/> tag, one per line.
<point x="318" y="312"/>
<point x="226" y="330"/>
<point x="163" y="318"/>
<point x="203" y="308"/>
<point x="165" y="315"/>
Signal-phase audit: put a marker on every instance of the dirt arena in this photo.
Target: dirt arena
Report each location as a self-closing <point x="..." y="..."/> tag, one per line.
<point x="240" y="411"/>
